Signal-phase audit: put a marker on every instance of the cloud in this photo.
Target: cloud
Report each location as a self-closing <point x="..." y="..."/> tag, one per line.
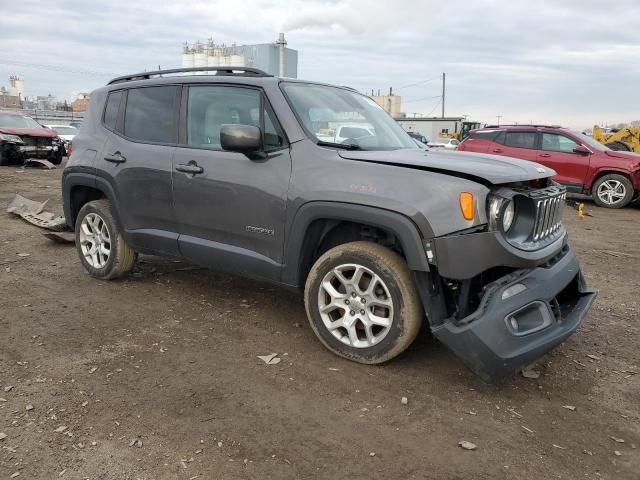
<point x="571" y="62"/>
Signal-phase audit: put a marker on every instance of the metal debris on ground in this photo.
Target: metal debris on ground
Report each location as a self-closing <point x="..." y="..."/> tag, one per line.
<point x="33" y="212"/>
<point x="38" y="163"/>
<point x="270" y="359"/>
<point x="569" y="407"/>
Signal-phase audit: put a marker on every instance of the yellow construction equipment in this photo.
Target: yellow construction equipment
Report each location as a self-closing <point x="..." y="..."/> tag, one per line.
<point x="624" y="139"/>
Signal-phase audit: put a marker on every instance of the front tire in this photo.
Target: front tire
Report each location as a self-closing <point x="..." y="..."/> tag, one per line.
<point x="362" y="302"/>
<point x="612" y="191"/>
<point x="103" y="251"/>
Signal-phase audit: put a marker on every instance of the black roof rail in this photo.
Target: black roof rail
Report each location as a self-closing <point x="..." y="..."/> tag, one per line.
<point x="523" y="125"/>
<point x="240" y="71"/>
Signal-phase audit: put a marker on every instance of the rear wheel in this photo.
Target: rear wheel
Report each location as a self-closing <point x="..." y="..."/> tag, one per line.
<point x="362" y="302"/>
<point x="103" y="251"/>
<point x="612" y="191"/>
<point x="619" y="146"/>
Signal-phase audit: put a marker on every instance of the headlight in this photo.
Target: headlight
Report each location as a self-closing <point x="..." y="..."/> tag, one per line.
<point x="502" y="212"/>
<point x="10" y="138"/>
<point x="508" y="215"/>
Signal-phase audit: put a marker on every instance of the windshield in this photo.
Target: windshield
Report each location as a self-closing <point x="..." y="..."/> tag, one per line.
<point x="18" y="121"/>
<point x="591" y="141"/>
<point x="65" y="130"/>
<point x="338" y="116"/>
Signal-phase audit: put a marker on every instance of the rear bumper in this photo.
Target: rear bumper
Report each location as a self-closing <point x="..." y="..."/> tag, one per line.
<point x="548" y="311"/>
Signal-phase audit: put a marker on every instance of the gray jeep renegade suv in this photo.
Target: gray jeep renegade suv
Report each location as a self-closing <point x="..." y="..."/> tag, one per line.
<point x="315" y="187"/>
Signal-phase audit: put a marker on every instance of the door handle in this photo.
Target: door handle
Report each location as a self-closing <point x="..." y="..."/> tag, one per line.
<point x="192" y="167"/>
<point x="497" y="150"/>
<point x="545" y="155"/>
<point x="115" y="157"/>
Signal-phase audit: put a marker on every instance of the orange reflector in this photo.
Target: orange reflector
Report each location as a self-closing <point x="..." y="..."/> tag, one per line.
<point x="466" y="205"/>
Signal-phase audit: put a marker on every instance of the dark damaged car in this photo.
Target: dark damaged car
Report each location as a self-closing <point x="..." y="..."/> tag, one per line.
<point x="234" y="171"/>
<point x="22" y="138"/>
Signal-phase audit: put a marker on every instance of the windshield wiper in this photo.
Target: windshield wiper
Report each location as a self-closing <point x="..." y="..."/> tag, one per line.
<point x="344" y="146"/>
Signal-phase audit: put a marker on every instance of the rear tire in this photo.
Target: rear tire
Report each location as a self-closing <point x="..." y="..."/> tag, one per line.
<point x="103" y="251"/>
<point x="618" y="146"/>
<point x="362" y="302"/>
<point x="612" y="191"/>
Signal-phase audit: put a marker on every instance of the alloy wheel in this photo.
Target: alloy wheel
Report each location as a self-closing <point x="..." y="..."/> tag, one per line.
<point x="611" y="192"/>
<point x="355" y="305"/>
<point x="95" y="240"/>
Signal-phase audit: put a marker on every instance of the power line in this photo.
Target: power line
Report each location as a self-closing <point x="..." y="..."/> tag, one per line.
<point x="420" y="83"/>
<point x="422" y="98"/>
<point x="53" y="68"/>
<point x="434" y="108"/>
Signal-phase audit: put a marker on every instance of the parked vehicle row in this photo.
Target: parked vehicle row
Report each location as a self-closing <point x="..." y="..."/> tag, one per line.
<point x="582" y="164"/>
<point x="66" y="133"/>
<point x="21" y="137"/>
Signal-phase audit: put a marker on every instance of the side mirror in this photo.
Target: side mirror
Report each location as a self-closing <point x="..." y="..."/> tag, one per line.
<point x="582" y="150"/>
<point x="241" y="138"/>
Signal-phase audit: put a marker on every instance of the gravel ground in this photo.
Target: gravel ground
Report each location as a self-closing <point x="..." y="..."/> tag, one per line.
<point x="156" y="376"/>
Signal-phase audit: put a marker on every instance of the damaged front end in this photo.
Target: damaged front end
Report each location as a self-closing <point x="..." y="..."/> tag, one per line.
<point x="502" y="295"/>
<point x="16" y="150"/>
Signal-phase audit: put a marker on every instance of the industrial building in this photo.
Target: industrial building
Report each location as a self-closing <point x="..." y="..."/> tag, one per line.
<point x="13" y="95"/>
<point x="392" y="104"/>
<point x="274" y="58"/>
<point x="432" y="127"/>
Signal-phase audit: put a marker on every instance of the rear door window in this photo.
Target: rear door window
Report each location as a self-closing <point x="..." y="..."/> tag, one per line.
<point x="520" y="139"/>
<point x="150" y="114"/>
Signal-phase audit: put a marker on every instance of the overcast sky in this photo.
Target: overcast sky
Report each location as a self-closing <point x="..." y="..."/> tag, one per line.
<point x="572" y="62"/>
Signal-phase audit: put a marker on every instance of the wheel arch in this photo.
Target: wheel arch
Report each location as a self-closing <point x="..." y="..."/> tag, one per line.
<point x="79" y="188"/>
<point x="611" y="171"/>
<point x="314" y="222"/>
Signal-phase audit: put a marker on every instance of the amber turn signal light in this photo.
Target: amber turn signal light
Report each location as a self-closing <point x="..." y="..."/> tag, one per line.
<point x="466" y="205"/>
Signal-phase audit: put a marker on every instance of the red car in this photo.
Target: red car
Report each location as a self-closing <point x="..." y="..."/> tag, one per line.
<point x="581" y="163"/>
<point x="21" y="138"/>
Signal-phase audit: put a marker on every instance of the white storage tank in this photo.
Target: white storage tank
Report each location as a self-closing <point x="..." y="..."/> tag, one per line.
<point x="237" y="60"/>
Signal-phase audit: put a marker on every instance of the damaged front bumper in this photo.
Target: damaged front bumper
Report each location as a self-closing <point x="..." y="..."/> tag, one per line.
<point x="520" y="317"/>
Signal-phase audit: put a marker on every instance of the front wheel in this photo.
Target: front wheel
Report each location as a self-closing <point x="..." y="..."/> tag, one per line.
<point x="103" y="251"/>
<point x="362" y="302"/>
<point x="612" y="191"/>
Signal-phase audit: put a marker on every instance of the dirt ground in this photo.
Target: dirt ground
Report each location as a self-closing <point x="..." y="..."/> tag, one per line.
<point x="156" y="377"/>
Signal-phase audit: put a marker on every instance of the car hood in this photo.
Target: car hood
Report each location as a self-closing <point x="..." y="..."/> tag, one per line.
<point x="28" y="132"/>
<point x="490" y="168"/>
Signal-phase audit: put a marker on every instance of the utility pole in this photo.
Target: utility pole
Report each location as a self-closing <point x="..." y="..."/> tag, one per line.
<point x="499" y="117"/>
<point x="444" y="76"/>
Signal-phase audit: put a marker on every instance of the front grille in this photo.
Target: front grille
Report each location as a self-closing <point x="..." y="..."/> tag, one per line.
<point x="36" y="141"/>
<point x="548" y="216"/>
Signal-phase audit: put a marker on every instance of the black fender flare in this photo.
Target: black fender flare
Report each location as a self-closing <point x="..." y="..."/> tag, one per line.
<point x="75" y="179"/>
<point x="400" y="225"/>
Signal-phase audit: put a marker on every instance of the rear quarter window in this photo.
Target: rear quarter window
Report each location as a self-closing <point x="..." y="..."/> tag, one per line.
<point x="111" y="109"/>
<point x="485" y="135"/>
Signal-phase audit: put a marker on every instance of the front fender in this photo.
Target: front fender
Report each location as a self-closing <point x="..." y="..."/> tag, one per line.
<point x="398" y="224"/>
